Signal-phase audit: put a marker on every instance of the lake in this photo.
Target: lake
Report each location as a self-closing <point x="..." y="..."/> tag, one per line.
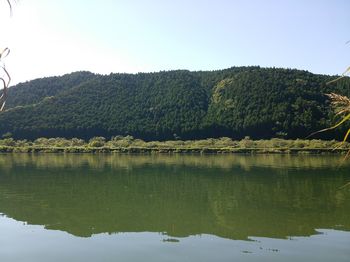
<point x="57" y="207"/>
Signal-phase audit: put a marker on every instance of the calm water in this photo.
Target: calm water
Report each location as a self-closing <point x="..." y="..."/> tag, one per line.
<point x="173" y="208"/>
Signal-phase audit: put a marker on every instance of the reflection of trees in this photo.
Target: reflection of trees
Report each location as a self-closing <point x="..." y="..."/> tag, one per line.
<point x="201" y="161"/>
<point x="178" y="195"/>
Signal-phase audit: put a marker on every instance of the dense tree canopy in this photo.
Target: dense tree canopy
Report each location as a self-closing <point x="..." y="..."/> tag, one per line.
<point x="235" y="102"/>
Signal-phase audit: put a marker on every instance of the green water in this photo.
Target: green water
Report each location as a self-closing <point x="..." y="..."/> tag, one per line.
<point x="174" y="208"/>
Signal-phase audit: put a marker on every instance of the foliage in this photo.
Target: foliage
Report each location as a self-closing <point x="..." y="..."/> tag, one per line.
<point x="97" y="141"/>
<point x="235" y="102"/>
<point x="129" y="144"/>
<point x="5" y="78"/>
<point x="341" y="107"/>
<point x="44" y="89"/>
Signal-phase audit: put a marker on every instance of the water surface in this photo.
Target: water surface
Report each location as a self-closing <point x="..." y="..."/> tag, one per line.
<point x="174" y="208"/>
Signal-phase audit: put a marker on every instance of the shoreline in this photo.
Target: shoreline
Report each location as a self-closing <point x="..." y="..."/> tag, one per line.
<point x="145" y="150"/>
<point x="130" y="145"/>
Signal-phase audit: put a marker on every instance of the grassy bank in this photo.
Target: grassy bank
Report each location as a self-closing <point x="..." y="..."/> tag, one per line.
<point x="129" y="144"/>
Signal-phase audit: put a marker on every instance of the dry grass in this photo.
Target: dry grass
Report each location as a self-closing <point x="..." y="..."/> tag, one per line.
<point x="5" y="78"/>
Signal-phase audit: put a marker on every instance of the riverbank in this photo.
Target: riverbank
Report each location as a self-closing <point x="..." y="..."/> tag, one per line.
<point x="143" y="150"/>
<point x="129" y="145"/>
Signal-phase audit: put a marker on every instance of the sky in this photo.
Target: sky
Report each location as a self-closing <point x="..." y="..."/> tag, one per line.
<point x="50" y="37"/>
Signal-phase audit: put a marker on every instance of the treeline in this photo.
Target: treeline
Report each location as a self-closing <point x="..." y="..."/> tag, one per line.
<point x="34" y="91"/>
<point x="129" y="144"/>
<point x="242" y="101"/>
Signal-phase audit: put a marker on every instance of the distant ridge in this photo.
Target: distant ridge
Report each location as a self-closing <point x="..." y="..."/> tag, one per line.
<point x="235" y="102"/>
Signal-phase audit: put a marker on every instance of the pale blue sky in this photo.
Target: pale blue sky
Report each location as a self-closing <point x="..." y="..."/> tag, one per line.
<point x="49" y="37"/>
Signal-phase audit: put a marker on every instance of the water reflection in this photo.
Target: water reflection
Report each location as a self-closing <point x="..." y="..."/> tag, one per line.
<point x="229" y="196"/>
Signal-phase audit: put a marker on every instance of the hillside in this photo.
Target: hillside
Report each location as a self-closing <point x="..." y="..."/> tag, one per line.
<point x="236" y="102"/>
<point x="32" y="92"/>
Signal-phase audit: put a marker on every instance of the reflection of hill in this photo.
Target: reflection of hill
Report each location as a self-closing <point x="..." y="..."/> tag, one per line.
<point x="228" y="196"/>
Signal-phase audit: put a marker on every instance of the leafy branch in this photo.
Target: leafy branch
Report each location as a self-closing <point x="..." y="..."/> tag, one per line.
<point x="6" y="78"/>
<point x="341" y="105"/>
<point x="347" y="71"/>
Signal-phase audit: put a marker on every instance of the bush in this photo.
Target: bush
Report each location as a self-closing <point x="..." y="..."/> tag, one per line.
<point x="98" y="141"/>
<point x="8" y="142"/>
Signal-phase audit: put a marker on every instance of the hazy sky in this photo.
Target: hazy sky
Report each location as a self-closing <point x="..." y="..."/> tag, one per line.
<point x="53" y="37"/>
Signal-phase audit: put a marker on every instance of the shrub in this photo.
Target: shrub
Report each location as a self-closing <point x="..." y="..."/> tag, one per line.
<point x="98" y="141"/>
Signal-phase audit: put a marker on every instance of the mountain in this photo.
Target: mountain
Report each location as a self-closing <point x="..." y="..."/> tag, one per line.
<point x="235" y="102"/>
<point x="32" y="92"/>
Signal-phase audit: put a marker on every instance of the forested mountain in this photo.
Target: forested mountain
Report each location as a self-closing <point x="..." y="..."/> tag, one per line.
<point x="34" y="91"/>
<point x="235" y="102"/>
